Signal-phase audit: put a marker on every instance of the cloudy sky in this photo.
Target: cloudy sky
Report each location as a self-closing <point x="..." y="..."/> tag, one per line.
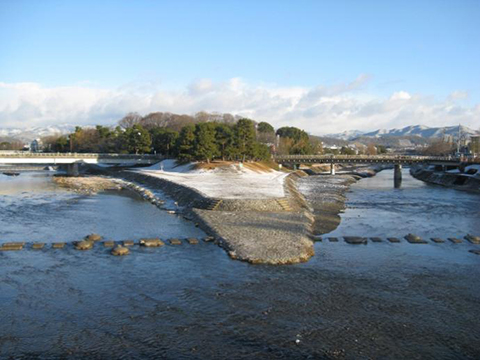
<point x="324" y="66"/>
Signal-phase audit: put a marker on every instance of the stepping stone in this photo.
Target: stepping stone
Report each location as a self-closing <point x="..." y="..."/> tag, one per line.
<point x="128" y="243"/>
<point x="355" y="239"/>
<point x="151" y="242"/>
<point x="120" y="251"/>
<point x="192" y="241"/>
<point x="38" y="246"/>
<point x="455" y="240"/>
<point x="109" y="244"/>
<point x="83" y="245"/>
<point x="11" y="247"/>
<point x="393" y="240"/>
<point x="209" y="238"/>
<point x="473" y="239"/>
<point x="93" y="237"/>
<point x="376" y="239"/>
<point x="58" y="245"/>
<point x="437" y="240"/>
<point x="332" y="239"/>
<point x="415" y="239"/>
<point x="175" y="242"/>
<point x="14" y="243"/>
<point x="317" y="238"/>
<point x="476" y="252"/>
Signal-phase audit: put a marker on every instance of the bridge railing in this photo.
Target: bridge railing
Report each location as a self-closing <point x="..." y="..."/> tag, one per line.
<point x="368" y="157"/>
<point x="80" y="155"/>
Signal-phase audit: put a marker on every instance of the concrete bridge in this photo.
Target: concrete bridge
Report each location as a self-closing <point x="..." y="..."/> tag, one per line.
<point x="72" y="160"/>
<point x="445" y="162"/>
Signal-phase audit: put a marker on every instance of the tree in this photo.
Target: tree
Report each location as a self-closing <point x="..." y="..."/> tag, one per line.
<point x="224" y="139"/>
<point x="205" y="146"/>
<point x="439" y="148"/>
<point x="137" y="139"/>
<point x="186" y="143"/>
<point x="245" y="140"/>
<point x="164" y="140"/>
<point x="371" y="149"/>
<point x="130" y="120"/>
<point x="264" y="127"/>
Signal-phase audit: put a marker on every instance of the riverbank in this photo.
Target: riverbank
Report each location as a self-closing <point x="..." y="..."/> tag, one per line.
<point x="468" y="180"/>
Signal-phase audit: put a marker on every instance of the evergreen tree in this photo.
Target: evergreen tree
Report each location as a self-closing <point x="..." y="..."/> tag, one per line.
<point x="137" y="139"/>
<point x="245" y="139"/>
<point x="205" y="145"/>
<point x="224" y="139"/>
<point x="186" y="143"/>
<point x="164" y="140"/>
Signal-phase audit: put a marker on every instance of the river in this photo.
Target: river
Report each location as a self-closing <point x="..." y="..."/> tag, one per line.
<point x="378" y="300"/>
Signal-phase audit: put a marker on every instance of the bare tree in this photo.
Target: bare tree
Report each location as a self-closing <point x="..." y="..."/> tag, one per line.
<point x="129" y="120"/>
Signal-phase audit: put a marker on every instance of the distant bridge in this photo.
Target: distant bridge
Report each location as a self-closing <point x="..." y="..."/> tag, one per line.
<point x="72" y="160"/>
<point x="396" y="160"/>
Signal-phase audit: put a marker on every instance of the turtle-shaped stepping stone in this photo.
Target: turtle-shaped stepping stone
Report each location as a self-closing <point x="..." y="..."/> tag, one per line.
<point x="355" y="240"/>
<point x="83" y="245"/>
<point x="473" y="239"/>
<point x="192" y="241"/>
<point x="415" y="239"/>
<point x="58" y="245"/>
<point x="151" y="242"/>
<point x="175" y="242"/>
<point x="120" y="251"/>
<point x="93" y="237"/>
<point x="109" y="244"/>
<point x="128" y="243"/>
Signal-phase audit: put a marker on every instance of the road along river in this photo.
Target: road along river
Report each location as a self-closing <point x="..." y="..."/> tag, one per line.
<point x="192" y="301"/>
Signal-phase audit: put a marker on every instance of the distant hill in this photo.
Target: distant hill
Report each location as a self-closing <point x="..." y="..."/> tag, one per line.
<point x="31" y="133"/>
<point x="413" y="130"/>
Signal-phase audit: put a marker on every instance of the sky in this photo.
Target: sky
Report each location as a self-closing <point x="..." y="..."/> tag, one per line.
<point x="323" y="66"/>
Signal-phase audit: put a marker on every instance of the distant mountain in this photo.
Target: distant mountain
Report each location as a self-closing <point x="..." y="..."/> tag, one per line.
<point x="346" y="135"/>
<point x="31" y="133"/>
<point x="423" y="131"/>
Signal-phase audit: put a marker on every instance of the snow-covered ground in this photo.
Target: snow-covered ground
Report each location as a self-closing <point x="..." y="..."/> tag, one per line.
<point x="232" y="182"/>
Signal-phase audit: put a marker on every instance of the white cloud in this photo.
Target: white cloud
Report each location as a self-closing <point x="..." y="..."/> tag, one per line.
<point x="321" y="109"/>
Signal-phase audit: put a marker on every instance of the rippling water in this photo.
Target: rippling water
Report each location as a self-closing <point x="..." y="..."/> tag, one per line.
<point x="191" y="301"/>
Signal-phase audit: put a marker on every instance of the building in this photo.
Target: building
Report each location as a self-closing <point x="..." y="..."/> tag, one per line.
<point x="475" y="145"/>
<point x="36" y="145"/>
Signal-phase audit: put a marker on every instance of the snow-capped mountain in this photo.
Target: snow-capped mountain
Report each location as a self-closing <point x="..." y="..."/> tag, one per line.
<point x="346" y="135"/>
<point x="28" y="134"/>
<point x="413" y="130"/>
<point x="424" y="131"/>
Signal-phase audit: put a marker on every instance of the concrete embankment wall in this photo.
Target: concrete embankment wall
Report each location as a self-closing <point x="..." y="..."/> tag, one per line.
<point x="457" y="181"/>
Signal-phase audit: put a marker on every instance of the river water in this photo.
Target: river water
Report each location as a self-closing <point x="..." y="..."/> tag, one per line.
<point x="378" y="300"/>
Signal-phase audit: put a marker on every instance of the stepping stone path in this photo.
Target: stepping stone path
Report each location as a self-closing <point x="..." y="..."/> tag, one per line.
<point x="58" y="245"/>
<point x="455" y="240"/>
<point x="393" y="240"/>
<point x="175" y="242"/>
<point x="209" y="238"/>
<point x="38" y="246"/>
<point x="109" y="244"/>
<point x="376" y="239"/>
<point x="192" y="241"/>
<point x="332" y="239"/>
<point x="437" y="240"/>
<point x="93" y="237"/>
<point x="128" y="243"/>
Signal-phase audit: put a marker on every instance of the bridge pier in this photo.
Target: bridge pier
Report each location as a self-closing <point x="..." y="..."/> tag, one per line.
<point x="332" y="169"/>
<point x="397" y="176"/>
<point x="72" y="169"/>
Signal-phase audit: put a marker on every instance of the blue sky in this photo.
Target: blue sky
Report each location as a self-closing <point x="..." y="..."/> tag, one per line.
<point x="426" y="49"/>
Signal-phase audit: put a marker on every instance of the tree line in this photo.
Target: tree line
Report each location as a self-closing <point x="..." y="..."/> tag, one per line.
<point x="202" y="137"/>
